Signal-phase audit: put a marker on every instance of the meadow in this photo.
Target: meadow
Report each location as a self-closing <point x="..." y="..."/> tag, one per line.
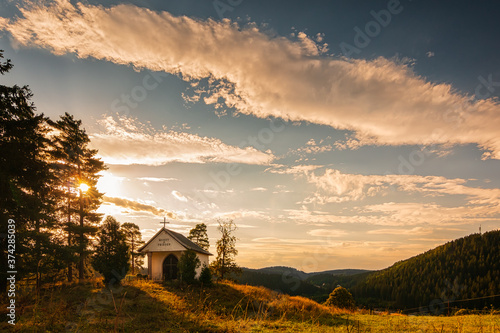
<point x="145" y="306"/>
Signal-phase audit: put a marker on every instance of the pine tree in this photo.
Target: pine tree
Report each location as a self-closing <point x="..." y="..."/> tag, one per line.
<point x="26" y="183"/>
<point x="205" y="276"/>
<point x="79" y="172"/>
<point x="188" y="263"/>
<point x="225" y="264"/>
<point x="199" y="236"/>
<point x="111" y="257"/>
<point x="133" y="238"/>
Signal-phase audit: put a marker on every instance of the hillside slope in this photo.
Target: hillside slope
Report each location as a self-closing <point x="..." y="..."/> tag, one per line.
<point x="462" y="269"/>
<point x="145" y="306"/>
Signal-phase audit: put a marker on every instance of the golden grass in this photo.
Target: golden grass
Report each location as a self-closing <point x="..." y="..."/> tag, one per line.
<point x="145" y="306"/>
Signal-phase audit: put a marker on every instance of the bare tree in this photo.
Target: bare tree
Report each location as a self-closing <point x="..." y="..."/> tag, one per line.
<point x="225" y="263"/>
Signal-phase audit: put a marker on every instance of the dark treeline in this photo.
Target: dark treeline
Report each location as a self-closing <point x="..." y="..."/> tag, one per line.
<point x="463" y="269"/>
<point x="48" y="178"/>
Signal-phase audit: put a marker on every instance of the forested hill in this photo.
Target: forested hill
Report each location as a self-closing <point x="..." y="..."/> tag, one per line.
<point x="465" y="268"/>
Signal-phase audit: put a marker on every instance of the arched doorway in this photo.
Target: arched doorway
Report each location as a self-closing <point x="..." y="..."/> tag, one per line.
<point x="170" y="267"/>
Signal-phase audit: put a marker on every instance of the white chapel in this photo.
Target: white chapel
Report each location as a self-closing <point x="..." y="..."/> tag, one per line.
<point x="164" y="251"/>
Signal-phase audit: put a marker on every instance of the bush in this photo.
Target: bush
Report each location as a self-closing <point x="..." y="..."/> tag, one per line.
<point x="187" y="265"/>
<point x="206" y="276"/>
<point x="340" y="298"/>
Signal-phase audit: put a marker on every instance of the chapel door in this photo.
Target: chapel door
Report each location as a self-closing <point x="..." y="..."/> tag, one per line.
<point x="170" y="267"/>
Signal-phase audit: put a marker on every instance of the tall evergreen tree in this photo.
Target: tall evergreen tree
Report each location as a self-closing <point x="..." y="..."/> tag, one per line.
<point x="26" y="182"/>
<point x="199" y="236"/>
<point x="133" y="238"/>
<point x="225" y="264"/>
<point x="111" y="257"/>
<point x="79" y="172"/>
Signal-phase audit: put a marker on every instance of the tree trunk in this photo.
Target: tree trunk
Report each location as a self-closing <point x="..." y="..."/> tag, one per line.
<point x="81" y="264"/>
<point x="223" y="266"/>
<point x="70" y="264"/>
<point x="38" y="256"/>
<point x="3" y="257"/>
<point x="133" y="258"/>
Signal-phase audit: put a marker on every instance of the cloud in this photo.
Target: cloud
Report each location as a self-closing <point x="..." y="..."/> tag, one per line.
<point x="327" y="233"/>
<point x="398" y="214"/>
<point x="430" y="54"/>
<point x="414" y="231"/>
<point x="156" y="179"/>
<point x="336" y="186"/>
<point x="242" y="214"/>
<point x="127" y="141"/>
<point x="341" y="187"/>
<point x="274" y="240"/>
<point x="138" y="206"/>
<point x="179" y="196"/>
<point x="259" y="189"/>
<point x="268" y="76"/>
<point x="292" y="170"/>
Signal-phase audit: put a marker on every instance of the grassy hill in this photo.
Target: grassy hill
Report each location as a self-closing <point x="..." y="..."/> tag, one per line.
<point x="144" y="306"/>
<point x="463" y="269"/>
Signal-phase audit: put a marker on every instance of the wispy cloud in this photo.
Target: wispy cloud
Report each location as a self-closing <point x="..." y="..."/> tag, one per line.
<point x="327" y="233"/>
<point x="243" y="214"/>
<point x="259" y="189"/>
<point x="156" y="179"/>
<point x="292" y="170"/>
<point x="137" y="206"/>
<point x="336" y="186"/>
<point x="398" y="214"/>
<point x="127" y="141"/>
<point x="179" y="196"/>
<point x="413" y="231"/>
<point x="274" y="240"/>
<point x="265" y="75"/>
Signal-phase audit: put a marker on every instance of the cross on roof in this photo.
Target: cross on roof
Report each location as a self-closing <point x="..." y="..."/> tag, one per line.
<point x="164" y="222"/>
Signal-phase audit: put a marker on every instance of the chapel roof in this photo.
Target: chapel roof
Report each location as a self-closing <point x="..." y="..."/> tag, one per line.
<point x="181" y="239"/>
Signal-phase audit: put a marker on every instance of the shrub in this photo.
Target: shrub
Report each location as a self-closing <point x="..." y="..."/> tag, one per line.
<point x="206" y="276"/>
<point x="187" y="265"/>
<point x="340" y="298"/>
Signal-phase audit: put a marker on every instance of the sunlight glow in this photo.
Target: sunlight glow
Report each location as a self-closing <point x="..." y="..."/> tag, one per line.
<point x="110" y="184"/>
<point x="84" y="187"/>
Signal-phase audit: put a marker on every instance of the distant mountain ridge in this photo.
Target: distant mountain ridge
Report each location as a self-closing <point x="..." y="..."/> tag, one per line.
<point x="303" y="275"/>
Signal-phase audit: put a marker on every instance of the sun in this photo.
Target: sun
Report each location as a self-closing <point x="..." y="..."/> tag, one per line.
<point x="83" y="187"/>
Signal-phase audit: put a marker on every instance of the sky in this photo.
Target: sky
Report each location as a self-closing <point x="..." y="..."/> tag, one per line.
<point x="336" y="134"/>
